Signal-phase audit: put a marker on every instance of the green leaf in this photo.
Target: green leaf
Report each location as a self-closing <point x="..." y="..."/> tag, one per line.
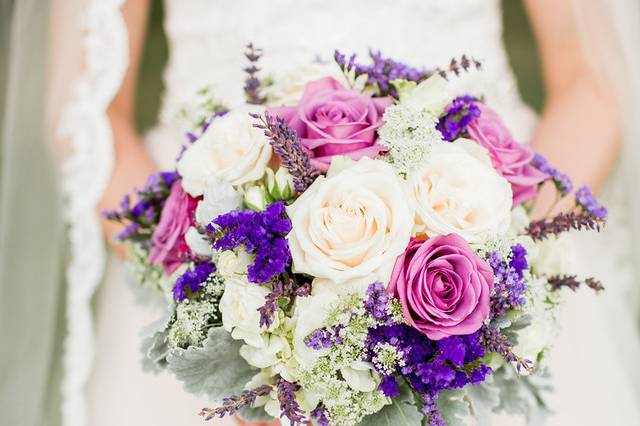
<point x="401" y="412"/>
<point x="454" y="408"/>
<point x="155" y="347"/>
<point x="216" y="369"/>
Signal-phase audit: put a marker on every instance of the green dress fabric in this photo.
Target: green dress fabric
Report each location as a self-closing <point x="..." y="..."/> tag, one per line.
<point x="32" y="232"/>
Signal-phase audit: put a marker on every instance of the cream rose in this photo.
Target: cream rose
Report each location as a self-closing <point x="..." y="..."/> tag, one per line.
<point x="351" y="224"/>
<point x="458" y="191"/>
<point x="231" y="149"/>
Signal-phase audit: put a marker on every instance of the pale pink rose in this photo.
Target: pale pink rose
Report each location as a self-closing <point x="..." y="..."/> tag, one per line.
<point x="443" y="286"/>
<point x="332" y="120"/>
<point x="510" y="158"/>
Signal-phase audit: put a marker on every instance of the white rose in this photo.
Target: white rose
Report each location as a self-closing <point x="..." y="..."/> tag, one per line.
<point x="351" y="224"/>
<point x="288" y="87"/>
<point x="197" y="243"/>
<point x="458" y="191"/>
<point x="554" y="256"/>
<point x="232" y="264"/>
<point x="239" y="307"/>
<point x="231" y="148"/>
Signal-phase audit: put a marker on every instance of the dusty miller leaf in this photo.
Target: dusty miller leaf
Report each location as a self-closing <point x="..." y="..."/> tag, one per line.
<point x="216" y="369"/>
<point x="454" y="408"/>
<point x="402" y="411"/>
<point x="154" y="344"/>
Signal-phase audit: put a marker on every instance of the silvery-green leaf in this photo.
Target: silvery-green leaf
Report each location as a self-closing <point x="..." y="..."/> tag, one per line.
<point x="216" y="369"/>
<point x="255" y="414"/>
<point x="521" y="395"/>
<point x="154" y="345"/>
<point x="483" y="398"/>
<point x="454" y="408"/>
<point x="402" y="411"/>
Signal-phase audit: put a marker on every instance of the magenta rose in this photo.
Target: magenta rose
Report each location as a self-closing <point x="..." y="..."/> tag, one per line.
<point x="510" y="158"/>
<point x="169" y="246"/>
<point x="443" y="286"/>
<point x="332" y="120"/>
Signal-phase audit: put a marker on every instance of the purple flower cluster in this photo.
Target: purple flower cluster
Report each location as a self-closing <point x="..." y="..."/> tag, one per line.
<point x="289" y="406"/>
<point x="377" y="302"/>
<point x="192" y="281"/>
<point x="320" y="416"/>
<point x="430" y="410"/>
<point x="563" y="182"/>
<point x="429" y="366"/>
<point x="232" y="404"/>
<point x="287" y="146"/>
<point x="261" y="233"/>
<point x="324" y="338"/>
<point x="586" y="199"/>
<point x="453" y="124"/>
<point x="142" y="217"/>
<point x="509" y="283"/>
<point x="381" y="72"/>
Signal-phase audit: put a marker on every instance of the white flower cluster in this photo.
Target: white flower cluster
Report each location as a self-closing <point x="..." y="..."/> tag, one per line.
<point x="408" y="133"/>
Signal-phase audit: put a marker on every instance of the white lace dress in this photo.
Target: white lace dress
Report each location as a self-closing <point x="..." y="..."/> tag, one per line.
<point x="207" y="40"/>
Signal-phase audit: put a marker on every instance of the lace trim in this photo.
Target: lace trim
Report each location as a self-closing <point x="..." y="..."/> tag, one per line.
<point x="86" y="172"/>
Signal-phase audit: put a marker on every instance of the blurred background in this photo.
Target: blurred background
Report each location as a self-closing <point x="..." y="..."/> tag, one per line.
<point x="518" y="39"/>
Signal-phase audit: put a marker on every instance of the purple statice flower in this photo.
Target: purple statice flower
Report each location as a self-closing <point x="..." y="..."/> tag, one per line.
<point x="458" y="114"/>
<point x="141" y="217"/>
<point x="252" y="83"/>
<point x="509" y="283"/>
<point x="562" y="181"/>
<point x="493" y="340"/>
<point x="564" y="222"/>
<point x="586" y="199"/>
<point x="289" y="406"/>
<point x="231" y="405"/>
<point x="430" y="366"/>
<point x="556" y="282"/>
<point x="389" y="386"/>
<point x="320" y="416"/>
<point x="287" y="146"/>
<point x="261" y="233"/>
<point x="430" y="410"/>
<point x="191" y="281"/>
<point x="324" y="338"/>
<point x="381" y="72"/>
<point x="377" y="302"/>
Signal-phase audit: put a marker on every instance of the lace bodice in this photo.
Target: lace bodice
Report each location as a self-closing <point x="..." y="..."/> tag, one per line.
<point x="207" y="40"/>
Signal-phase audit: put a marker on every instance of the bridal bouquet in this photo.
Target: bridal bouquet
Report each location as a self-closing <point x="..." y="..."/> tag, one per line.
<point x="357" y="248"/>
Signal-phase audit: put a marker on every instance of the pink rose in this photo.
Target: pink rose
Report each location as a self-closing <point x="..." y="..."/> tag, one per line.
<point x="443" y="286"/>
<point x="169" y="246"/>
<point x="510" y="158"/>
<point x="333" y="120"/>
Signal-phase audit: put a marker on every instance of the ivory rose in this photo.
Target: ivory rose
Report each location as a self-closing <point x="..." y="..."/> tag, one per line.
<point x="231" y="149"/>
<point x="350" y="224"/>
<point x="443" y="286"/>
<point x="458" y="191"/>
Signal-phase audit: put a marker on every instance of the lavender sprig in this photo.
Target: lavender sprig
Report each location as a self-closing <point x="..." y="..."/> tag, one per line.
<point x="563" y="222"/>
<point x="232" y="404"/>
<point x="289" y="406"/>
<point x="562" y="181"/>
<point x="572" y="282"/>
<point x="287" y="146"/>
<point x="252" y="84"/>
<point x="381" y="72"/>
<point x="288" y="289"/>
<point x="320" y="416"/>
<point x="494" y="341"/>
<point x="456" y="66"/>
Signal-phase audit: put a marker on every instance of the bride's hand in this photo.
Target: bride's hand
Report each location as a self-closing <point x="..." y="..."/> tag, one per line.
<point x="132" y="163"/>
<point x="242" y="422"/>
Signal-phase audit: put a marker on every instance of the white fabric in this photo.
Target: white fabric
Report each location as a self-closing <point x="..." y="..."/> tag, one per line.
<point x="86" y="137"/>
